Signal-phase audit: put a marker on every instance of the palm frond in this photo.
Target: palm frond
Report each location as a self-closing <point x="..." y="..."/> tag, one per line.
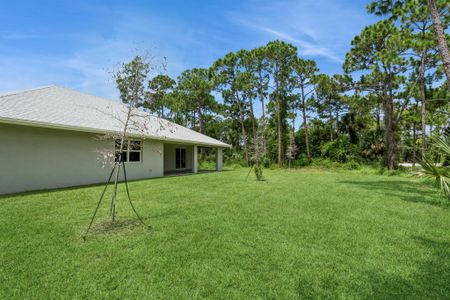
<point x="443" y="145"/>
<point x="430" y="170"/>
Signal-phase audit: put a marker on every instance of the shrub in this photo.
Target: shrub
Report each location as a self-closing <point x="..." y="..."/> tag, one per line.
<point x="340" y="150"/>
<point x="351" y="165"/>
<point x="372" y="144"/>
<point x="302" y="161"/>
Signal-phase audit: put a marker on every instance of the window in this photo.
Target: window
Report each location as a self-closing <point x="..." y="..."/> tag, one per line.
<point x="132" y="150"/>
<point x="180" y="158"/>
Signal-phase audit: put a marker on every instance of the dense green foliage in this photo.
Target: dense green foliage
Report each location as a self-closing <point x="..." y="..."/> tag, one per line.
<point x="386" y="106"/>
<point x="305" y="234"/>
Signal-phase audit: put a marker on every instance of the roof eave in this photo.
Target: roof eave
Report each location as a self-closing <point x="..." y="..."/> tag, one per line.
<point x="101" y="131"/>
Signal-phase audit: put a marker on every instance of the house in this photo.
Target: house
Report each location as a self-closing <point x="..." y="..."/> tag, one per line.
<point x="54" y="137"/>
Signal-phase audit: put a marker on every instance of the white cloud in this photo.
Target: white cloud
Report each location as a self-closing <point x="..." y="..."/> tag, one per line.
<point x="305" y="48"/>
<point x="320" y="28"/>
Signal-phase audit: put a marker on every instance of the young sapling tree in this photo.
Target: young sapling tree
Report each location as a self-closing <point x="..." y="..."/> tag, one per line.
<point x="130" y="79"/>
<point x="259" y="151"/>
<point x="292" y="149"/>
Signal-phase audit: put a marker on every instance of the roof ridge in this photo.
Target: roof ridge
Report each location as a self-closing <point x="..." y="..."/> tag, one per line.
<point x="27" y="90"/>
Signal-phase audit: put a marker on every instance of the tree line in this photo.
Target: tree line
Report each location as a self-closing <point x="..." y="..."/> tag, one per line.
<point x="386" y="105"/>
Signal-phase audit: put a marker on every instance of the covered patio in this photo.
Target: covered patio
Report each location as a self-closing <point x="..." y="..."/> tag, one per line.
<point x="182" y="158"/>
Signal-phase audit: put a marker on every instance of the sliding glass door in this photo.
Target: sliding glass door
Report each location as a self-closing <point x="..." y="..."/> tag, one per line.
<point x="180" y="158"/>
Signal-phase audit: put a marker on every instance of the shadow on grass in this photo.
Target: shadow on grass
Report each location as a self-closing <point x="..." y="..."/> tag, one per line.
<point x="429" y="279"/>
<point x="415" y="192"/>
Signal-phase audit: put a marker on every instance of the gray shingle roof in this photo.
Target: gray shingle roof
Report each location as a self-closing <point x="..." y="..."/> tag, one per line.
<point x="63" y="108"/>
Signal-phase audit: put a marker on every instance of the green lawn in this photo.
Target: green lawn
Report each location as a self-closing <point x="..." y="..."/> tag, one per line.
<point x="306" y="233"/>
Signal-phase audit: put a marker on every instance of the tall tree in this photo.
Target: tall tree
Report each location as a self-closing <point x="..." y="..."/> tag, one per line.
<point x="160" y="88"/>
<point x="413" y="17"/>
<point x="329" y="102"/>
<point x="304" y="72"/>
<point x="249" y="82"/>
<point x="232" y="82"/>
<point x="440" y="33"/>
<point x="258" y="65"/>
<point x="196" y="87"/>
<point x="281" y="57"/>
<point x="379" y="49"/>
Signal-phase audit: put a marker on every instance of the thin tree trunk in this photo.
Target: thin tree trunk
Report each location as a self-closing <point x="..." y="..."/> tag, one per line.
<point x="116" y="178"/>
<point x="389" y="136"/>
<point x="252" y="117"/>
<point x="423" y="110"/>
<point x="114" y="196"/>
<point x="337" y="122"/>
<point x="244" y="133"/>
<point x="423" y="113"/>
<point x="194" y="120"/>
<point x="378" y="118"/>
<point x="305" y="124"/>
<point x="330" y="120"/>
<point x="280" y="146"/>
<point x="442" y="41"/>
<point x="279" y="123"/>
<point x="263" y="106"/>
<point x="201" y="121"/>
<point x="389" y="129"/>
<point x="414" y="145"/>
<point x="261" y="95"/>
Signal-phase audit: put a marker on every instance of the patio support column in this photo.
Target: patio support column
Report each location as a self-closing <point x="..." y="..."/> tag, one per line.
<point x="195" y="159"/>
<point x="219" y="158"/>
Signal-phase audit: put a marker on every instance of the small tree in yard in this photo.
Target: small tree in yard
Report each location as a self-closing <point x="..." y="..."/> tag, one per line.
<point x="258" y="150"/>
<point x="130" y="80"/>
<point x="292" y="149"/>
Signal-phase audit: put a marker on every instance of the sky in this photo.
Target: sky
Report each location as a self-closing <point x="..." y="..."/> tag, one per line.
<point x="76" y="43"/>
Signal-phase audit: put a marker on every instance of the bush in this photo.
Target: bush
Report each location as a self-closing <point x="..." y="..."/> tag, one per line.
<point x="351" y="165"/>
<point x="301" y="161"/>
<point x="372" y="144"/>
<point x="235" y="158"/>
<point x="340" y="150"/>
<point x="266" y="162"/>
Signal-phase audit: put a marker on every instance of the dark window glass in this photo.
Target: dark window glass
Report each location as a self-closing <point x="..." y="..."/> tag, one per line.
<point x="183" y="158"/>
<point x="180" y="158"/>
<point x="124" y="156"/>
<point x="177" y="158"/>
<point x="135" y="156"/>
<point x="135" y="145"/>
<point x="117" y="144"/>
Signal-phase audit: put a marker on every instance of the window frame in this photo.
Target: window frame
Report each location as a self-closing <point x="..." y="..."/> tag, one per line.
<point x="128" y="150"/>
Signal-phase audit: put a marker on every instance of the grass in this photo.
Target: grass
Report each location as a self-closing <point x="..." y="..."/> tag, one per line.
<point x="304" y="234"/>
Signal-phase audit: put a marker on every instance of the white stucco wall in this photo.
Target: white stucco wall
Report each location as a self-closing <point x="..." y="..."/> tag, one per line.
<point x="169" y="156"/>
<point x="36" y="158"/>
